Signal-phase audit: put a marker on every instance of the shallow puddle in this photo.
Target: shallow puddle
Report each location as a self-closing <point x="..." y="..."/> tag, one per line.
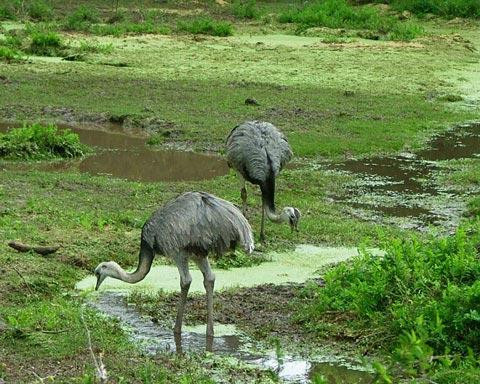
<point x="128" y="157"/>
<point x="402" y="186"/>
<point x="154" y="338"/>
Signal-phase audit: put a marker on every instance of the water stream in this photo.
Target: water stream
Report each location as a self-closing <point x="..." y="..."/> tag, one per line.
<point x="154" y="338"/>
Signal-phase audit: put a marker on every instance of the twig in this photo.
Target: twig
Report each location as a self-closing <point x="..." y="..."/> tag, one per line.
<point x="42" y="250"/>
<point x="101" y="371"/>
<point x="23" y="278"/>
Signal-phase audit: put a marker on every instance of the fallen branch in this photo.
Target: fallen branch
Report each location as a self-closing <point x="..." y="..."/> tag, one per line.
<point x="42" y="250"/>
<point x="99" y="366"/>
<point x="23" y="278"/>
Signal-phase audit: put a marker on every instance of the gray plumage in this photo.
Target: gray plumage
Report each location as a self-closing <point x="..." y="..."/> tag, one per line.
<point x="197" y="222"/>
<point x="187" y="228"/>
<point x="258" y="151"/>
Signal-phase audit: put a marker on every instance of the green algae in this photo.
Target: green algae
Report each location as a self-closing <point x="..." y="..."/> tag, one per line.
<point x="289" y="267"/>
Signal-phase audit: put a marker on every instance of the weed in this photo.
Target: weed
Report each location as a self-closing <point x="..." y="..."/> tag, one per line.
<point x="206" y="26"/>
<point x="245" y="9"/>
<point x="128" y="28"/>
<point x="46" y="44"/>
<point x="39" y="10"/>
<point x="82" y="18"/>
<point x="40" y="142"/>
<point x="9" y="54"/>
<point x="7" y="11"/>
<point x="339" y="14"/>
<point x="445" y="8"/>
<point x="87" y="46"/>
<point x="474" y="207"/>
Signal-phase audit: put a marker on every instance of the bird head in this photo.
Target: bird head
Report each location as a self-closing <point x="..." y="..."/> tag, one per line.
<point x="104" y="269"/>
<point x="292" y="215"/>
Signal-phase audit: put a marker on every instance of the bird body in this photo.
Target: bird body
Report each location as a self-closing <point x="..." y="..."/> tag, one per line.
<point x="258" y="151"/>
<point x="188" y="227"/>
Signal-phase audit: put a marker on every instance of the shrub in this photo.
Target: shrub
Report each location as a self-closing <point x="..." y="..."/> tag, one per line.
<point x="40" y="142"/>
<point x="9" y="54"/>
<point x="39" y="10"/>
<point x="45" y="44"/>
<point x="246" y="9"/>
<point x="339" y="14"/>
<point x="82" y="18"/>
<point x="206" y="26"/>
<point x="444" y="8"/>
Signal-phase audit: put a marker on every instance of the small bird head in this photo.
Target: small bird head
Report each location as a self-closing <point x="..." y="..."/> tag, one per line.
<point x="104" y="269"/>
<point x="293" y="216"/>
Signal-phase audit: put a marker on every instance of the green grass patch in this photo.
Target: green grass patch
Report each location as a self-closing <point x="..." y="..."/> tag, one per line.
<point x="81" y="18"/>
<point x="39" y="10"/>
<point x="237" y="259"/>
<point x="40" y="142"/>
<point x="422" y="297"/>
<point x="339" y="14"/>
<point x="246" y="9"/>
<point x="206" y="26"/>
<point x="9" y="54"/>
<point x="128" y="28"/>
<point x="46" y="43"/>
<point x="444" y="8"/>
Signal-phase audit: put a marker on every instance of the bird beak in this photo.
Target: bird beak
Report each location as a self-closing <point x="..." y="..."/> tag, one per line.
<point x="100" y="279"/>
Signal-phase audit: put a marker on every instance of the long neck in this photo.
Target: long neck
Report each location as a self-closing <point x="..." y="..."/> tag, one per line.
<point x="272" y="215"/>
<point x="145" y="259"/>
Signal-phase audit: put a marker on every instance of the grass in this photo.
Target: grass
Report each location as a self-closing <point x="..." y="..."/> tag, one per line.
<point x="40" y="142"/>
<point x="246" y="9"/>
<point x="422" y="297"/>
<point x="206" y="26"/>
<point x="444" y="8"/>
<point x="46" y="43"/>
<point x="9" y="54"/>
<point x="39" y="10"/>
<point x="339" y="14"/>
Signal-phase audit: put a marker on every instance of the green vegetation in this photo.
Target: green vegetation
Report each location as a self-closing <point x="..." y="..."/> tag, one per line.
<point x="422" y="297"/>
<point x="206" y="26"/>
<point x="444" y="8"/>
<point x="82" y="18"/>
<point x="246" y="9"/>
<point x="40" y="142"/>
<point x="39" y="10"/>
<point x="9" y="54"/>
<point x="339" y="14"/>
<point x="46" y="44"/>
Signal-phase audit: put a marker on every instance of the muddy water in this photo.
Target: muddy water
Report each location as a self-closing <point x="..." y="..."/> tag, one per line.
<point x="402" y="186"/>
<point x="128" y="157"/>
<point x="156" y="339"/>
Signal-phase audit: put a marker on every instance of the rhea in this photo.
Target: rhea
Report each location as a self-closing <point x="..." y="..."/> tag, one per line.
<point x="187" y="228"/>
<point x="258" y="151"/>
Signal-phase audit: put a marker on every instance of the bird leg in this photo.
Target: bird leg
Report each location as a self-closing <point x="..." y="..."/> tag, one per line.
<point x="262" y="226"/>
<point x="185" y="281"/>
<point x="243" y="193"/>
<point x="208" y="283"/>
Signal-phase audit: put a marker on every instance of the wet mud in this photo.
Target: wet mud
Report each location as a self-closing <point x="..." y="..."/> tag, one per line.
<point x="155" y="337"/>
<point x="403" y="187"/>
<point x="128" y="157"/>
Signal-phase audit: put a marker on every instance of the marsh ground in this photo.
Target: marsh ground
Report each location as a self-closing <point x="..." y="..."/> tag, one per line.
<point x="334" y="94"/>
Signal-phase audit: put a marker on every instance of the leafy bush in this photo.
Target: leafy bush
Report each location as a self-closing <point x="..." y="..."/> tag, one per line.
<point x="9" y="54"/>
<point x="339" y="14"/>
<point x="82" y="18"/>
<point x="40" y="142"/>
<point x="39" y="10"/>
<point x="206" y="26"/>
<point x="444" y="8"/>
<point x="46" y="43"/>
<point x="424" y="297"/>
<point x="246" y="9"/>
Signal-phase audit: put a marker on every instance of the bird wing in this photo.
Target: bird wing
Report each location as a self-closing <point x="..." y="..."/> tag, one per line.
<point x="198" y="221"/>
<point x="257" y="149"/>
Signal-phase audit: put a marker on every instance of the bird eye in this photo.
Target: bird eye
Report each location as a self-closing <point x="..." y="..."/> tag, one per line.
<point x="104" y="266"/>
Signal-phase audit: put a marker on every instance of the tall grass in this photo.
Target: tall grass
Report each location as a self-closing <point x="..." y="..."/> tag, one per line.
<point x="40" y="142"/>
<point x="339" y="14"/>
<point x="39" y="10"/>
<point x="47" y="43"/>
<point x="445" y="8"/>
<point x="206" y="26"/>
<point x="420" y="297"/>
<point x="245" y="9"/>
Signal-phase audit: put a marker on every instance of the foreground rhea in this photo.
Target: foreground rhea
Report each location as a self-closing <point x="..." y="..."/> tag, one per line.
<point x="258" y="151"/>
<point x="188" y="227"/>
